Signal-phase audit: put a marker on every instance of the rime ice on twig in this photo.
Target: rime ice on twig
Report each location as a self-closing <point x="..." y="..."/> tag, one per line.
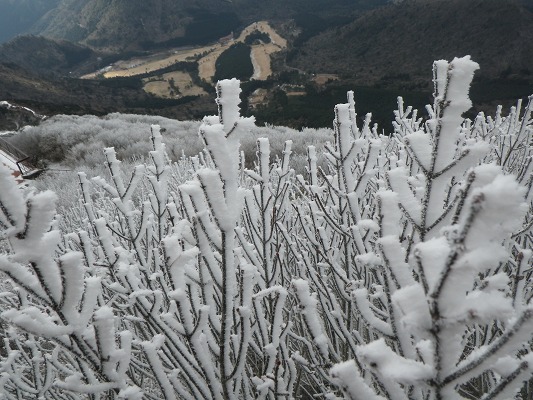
<point x="398" y="267"/>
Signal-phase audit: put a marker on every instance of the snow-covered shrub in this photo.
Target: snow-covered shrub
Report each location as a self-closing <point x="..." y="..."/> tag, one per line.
<point x="396" y="268"/>
<point x="76" y="141"/>
<point x="444" y="308"/>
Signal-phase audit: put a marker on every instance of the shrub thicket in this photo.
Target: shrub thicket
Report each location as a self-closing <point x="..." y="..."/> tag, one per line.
<point x="399" y="270"/>
<point x="76" y="141"/>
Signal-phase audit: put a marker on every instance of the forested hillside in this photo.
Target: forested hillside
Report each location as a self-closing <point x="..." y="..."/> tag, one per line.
<point x="47" y="57"/>
<point x="53" y="95"/>
<point x="393" y="44"/>
<point x="135" y="24"/>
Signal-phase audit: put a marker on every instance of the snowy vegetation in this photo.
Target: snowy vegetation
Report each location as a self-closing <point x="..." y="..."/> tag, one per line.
<point x="76" y="141"/>
<point x="399" y="270"/>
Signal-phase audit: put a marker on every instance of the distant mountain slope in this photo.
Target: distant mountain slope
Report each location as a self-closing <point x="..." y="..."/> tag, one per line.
<point x="125" y="24"/>
<point x="401" y="41"/>
<point x="130" y="24"/>
<point x="47" y="56"/>
<point x="113" y="23"/>
<point x="52" y="95"/>
<point x="49" y="95"/>
<point x="18" y="16"/>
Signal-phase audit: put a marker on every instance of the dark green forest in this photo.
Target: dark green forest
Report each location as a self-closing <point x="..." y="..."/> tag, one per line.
<point x="235" y="62"/>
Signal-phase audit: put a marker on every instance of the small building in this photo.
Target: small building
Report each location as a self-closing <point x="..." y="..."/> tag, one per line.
<point x="17" y="161"/>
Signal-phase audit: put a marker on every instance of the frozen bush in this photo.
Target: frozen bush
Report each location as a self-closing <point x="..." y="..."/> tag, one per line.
<point x="76" y="141"/>
<point x="387" y="267"/>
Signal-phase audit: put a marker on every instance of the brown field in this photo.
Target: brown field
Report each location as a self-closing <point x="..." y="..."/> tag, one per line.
<point x="206" y="64"/>
<point x="152" y="63"/>
<point x="182" y="81"/>
<point x="260" y="53"/>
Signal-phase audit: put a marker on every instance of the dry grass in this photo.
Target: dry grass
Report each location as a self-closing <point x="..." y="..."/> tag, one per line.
<point x="206" y="64"/>
<point x="260" y="53"/>
<point x="163" y="88"/>
<point x="151" y="63"/>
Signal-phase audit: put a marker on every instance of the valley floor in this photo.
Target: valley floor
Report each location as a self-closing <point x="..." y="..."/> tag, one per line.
<point x="206" y="56"/>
